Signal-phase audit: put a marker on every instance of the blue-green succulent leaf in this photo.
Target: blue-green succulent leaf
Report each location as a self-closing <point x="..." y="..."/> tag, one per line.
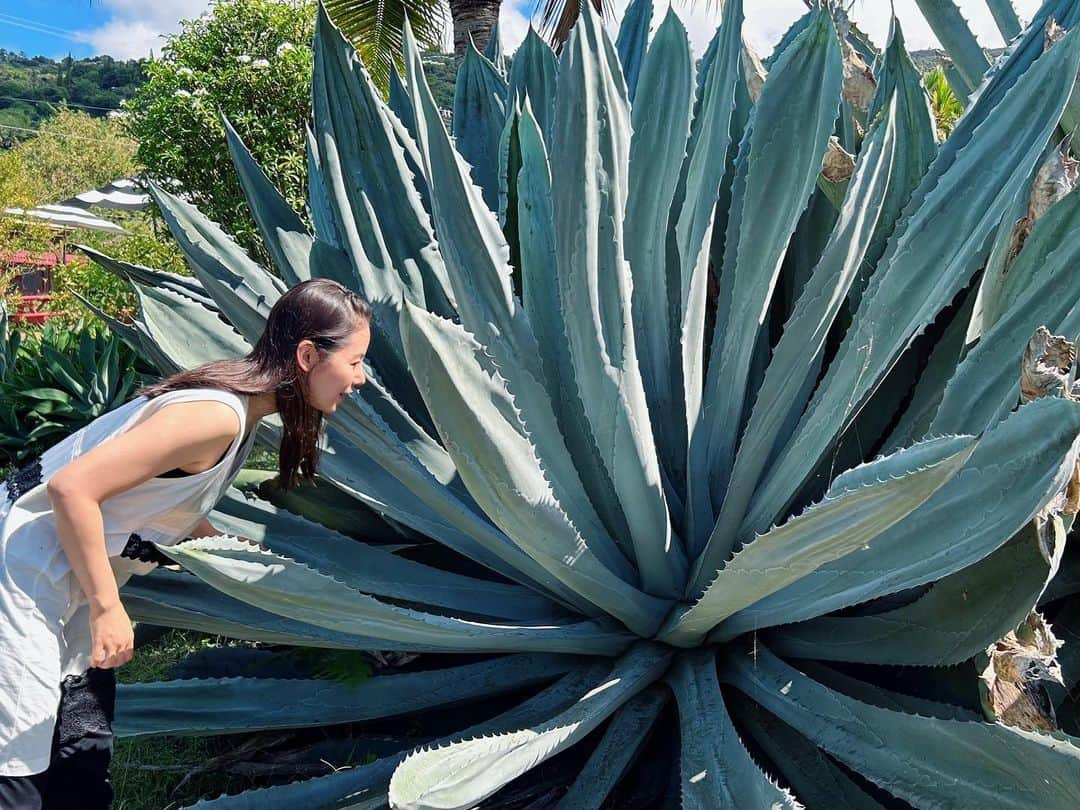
<point x="924" y="267"/>
<point x="461" y="775"/>
<point x="920" y="762"/>
<point x="480" y="98"/>
<point x="283" y="232"/>
<point x="632" y="41"/>
<point x="855" y="511"/>
<point x="715" y="769"/>
<point x="1017" y="467"/>
<point x="591" y="144"/>
<point x="201" y="706"/>
<point x="982" y="602"/>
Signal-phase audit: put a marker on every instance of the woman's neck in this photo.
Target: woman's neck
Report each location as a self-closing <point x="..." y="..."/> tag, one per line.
<point x="259" y="406"/>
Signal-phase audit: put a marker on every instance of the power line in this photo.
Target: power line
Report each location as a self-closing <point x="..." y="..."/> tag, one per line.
<point x="61" y="101"/>
<point x="42" y="28"/>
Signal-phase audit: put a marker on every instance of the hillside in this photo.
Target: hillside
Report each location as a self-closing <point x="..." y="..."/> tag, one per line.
<point x="32" y="87"/>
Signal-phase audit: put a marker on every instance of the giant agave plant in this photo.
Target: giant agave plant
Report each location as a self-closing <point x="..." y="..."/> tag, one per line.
<point x="706" y="461"/>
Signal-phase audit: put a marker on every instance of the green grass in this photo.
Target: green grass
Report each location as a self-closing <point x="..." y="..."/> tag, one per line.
<point x="145" y="772"/>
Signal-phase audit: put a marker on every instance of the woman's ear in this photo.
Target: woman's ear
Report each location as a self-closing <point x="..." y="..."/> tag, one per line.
<point x="306" y="355"/>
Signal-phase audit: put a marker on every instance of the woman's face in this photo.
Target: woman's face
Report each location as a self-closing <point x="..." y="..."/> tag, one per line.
<point x="333" y="376"/>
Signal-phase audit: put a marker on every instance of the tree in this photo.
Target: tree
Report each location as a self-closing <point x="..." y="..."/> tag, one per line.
<point x="249" y="60"/>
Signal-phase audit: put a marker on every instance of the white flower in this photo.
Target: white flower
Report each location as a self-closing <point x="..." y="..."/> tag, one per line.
<point x="284" y="48"/>
<point x="185" y="71"/>
<point x="243" y="59"/>
<point x="261" y="64"/>
<point x="200" y="91"/>
<point x="182" y="94"/>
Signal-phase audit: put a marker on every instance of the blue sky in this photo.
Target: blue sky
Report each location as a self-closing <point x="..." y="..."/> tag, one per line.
<point x="131" y="28"/>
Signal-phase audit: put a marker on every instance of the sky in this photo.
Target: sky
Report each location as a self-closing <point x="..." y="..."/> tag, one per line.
<point x="128" y="29"/>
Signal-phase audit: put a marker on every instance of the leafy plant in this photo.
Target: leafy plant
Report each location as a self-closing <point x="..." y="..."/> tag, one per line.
<point x="58" y="378"/>
<point x="803" y="506"/>
<point x="943" y="101"/>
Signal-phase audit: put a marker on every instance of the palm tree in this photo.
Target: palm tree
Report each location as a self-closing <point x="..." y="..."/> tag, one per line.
<point x="374" y="26"/>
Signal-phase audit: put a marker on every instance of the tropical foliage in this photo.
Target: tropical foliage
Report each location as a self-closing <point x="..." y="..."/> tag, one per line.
<point x="700" y="459"/>
<point x="56" y="379"/>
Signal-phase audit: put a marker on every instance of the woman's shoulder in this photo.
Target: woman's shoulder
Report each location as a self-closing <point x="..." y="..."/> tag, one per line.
<point x="200" y="403"/>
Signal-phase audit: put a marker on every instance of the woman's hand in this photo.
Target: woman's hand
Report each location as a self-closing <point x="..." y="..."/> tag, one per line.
<point x="113" y="638"/>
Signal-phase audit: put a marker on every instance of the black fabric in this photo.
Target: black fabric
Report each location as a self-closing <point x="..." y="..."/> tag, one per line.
<point x="144" y="551"/>
<point x="23" y="480"/>
<point x="22" y="792"/>
<point x="180" y="472"/>
<point x="78" y="772"/>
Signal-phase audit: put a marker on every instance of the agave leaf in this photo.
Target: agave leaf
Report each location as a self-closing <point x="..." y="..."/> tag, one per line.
<point x="622" y="740"/>
<point x="987" y="381"/>
<point x="796" y="359"/>
<point x="149" y="277"/>
<point x="493" y="51"/>
<point x="590" y="142"/>
<point x="987" y="308"/>
<point x="815" y="778"/>
<point x="915" y="146"/>
<point x="184" y="332"/>
<point x="857" y="509"/>
<point x="374" y="570"/>
<point x="365" y="786"/>
<point x="889" y="699"/>
<point x="932" y="378"/>
<point x="172" y="599"/>
<point x="243" y="291"/>
<point x="398" y="102"/>
<point x="283" y="232"/>
<point x="996" y="500"/>
<point x="419" y="501"/>
<point x="480" y="98"/>
<point x="379" y="215"/>
<point x="790" y="35"/>
<point x="472" y="241"/>
<point x="533" y="75"/>
<point x="923" y="267"/>
<point x="501" y="469"/>
<point x="201" y="706"/>
<point x="982" y="603"/>
<point x="922" y="762"/>
<point x="953" y="33"/>
<point x="786" y="138"/>
<point x="715" y="768"/>
<point x="464" y="773"/>
<point x="632" y="41"/>
<point x="1032" y="265"/>
<point x="1005" y="18"/>
<point x="540" y="293"/>
<point x="288" y="588"/>
<point x="657" y="148"/>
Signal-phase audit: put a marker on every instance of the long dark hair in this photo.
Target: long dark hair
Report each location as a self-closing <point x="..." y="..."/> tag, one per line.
<point x="319" y="310"/>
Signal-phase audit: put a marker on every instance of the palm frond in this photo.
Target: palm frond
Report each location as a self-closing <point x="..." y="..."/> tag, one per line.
<point x="374" y="28"/>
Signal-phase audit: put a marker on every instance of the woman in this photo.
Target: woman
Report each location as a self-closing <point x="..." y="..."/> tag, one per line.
<point x="78" y="521"/>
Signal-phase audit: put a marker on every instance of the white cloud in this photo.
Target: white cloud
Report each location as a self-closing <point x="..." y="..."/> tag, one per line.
<point x="135" y="27"/>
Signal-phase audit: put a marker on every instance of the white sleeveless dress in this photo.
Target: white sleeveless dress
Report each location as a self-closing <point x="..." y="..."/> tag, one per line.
<point x="44" y="617"/>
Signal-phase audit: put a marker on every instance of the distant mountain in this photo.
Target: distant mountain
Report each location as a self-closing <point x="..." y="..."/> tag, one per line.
<point x="927" y="60"/>
<point x="32" y="87"/>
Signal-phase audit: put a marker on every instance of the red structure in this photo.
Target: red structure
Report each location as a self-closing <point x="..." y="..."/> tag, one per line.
<point x="31" y="275"/>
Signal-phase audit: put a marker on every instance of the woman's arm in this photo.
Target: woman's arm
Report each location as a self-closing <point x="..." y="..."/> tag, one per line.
<point x="192" y="434"/>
